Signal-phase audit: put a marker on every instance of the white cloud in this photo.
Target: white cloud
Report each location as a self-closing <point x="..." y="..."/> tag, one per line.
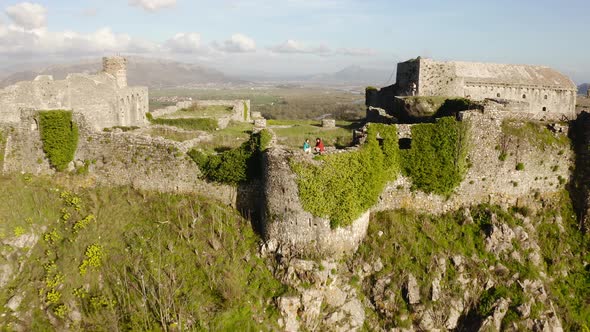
<point x="296" y="47"/>
<point x="152" y="5"/>
<point x="356" y="51"/>
<point x="15" y="41"/>
<point x="238" y="43"/>
<point x="290" y="46"/>
<point x="293" y="46"/>
<point x="185" y="42"/>
<point x="28" y="15"/>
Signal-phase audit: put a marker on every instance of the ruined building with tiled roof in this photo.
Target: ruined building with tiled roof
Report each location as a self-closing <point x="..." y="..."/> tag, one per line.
<point x="540" y="91"/>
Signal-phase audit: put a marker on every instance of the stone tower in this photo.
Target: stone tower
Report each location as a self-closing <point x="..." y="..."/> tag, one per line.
<point x="116" y="66"/>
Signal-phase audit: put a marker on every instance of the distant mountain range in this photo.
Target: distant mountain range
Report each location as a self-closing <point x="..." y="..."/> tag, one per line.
<point x="154" y="73"/>
<point x="159" y="73"/>
<point x="353" y="75"/>
<point x="583" y="88"/>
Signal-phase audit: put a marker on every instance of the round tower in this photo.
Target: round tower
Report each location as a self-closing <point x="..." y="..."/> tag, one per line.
<point x="116" y="66"/>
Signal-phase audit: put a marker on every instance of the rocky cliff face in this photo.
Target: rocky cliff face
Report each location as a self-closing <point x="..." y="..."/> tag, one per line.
<point x="503" y="252"/>
<point x="479" y="269"/>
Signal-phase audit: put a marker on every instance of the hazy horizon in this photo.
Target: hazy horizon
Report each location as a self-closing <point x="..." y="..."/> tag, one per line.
<point x="298" y="37"/>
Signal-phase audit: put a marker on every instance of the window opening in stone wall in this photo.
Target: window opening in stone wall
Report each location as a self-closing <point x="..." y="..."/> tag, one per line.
<point x="544" y="109"/>
<point x="498" y="95"/>
<point x="523" y="96"/>
<point x="545" y="97"/>
<point x="405" y="143"/>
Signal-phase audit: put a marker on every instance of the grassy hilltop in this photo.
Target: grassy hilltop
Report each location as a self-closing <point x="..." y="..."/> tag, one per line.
<point x="102" y="258"/>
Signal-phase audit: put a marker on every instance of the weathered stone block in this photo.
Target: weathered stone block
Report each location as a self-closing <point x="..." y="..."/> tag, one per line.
<point x="328" y="123"/>
<point x="260" y="123"/>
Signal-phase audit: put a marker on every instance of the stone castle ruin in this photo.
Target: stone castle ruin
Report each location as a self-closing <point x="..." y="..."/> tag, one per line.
<point x="155" y="163"/>
<point x="240" y="110"/>
<point x="104" y="98"/>
<point x="538" y="91"/>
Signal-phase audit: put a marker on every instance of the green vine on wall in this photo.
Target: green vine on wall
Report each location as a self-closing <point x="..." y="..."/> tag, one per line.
<point x="437" y="160"/>
<point x="59" y="135"/>
<point x="346" y="185"/>
<point x="245" y="111"/>
<point x="236" y="165"/>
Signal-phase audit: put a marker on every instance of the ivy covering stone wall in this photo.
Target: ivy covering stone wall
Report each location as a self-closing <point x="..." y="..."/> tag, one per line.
<point x="437" y="160"/>
<point x="236" y="165"/>
<point x="345" y="185"/>
<point x="59" y="135"/>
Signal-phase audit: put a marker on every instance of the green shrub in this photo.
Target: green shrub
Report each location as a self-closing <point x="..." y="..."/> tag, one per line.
<point x="437" y="160"/>
<point x="347" y="184"/>
<point x="59" y="135"/>
<point x="199" y="157"/>
<point x="235" y="165"/>
<point x="489" y="297"/>
<point x="520" y="167"/>
<point x="371" y="88"/>
<point x="93" y="258"/>
<point x="264" y="138"/>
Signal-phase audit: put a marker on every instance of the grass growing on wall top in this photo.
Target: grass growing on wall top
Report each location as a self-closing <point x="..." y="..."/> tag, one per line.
<point x="537" y="134"/>
<point x="245" y="111"/>
<point x="292" y="133"/>
<point x="346" y="185"/>
<point x="59" y="135"/>
<point x="205" y="124"/>
<point x="437" y="161"/>
<point x="199" y="111"/>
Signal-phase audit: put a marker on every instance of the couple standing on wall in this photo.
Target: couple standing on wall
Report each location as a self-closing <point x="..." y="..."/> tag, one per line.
<point x="319" y="146"/>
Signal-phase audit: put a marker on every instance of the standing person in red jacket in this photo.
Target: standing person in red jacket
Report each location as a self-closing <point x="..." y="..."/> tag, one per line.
<point x="319" y="146"/>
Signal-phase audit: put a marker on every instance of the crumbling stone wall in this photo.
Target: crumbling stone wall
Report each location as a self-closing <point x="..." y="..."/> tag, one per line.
<point x="116" y="66"/>
<point x="408" y="72"/>
<point x="238" y="110"/>
<point x="104" y="99"/>
<point x="288" y="226"/>
<point x="238" y="107"/>
<point x="114" y="158"/>
<point x="489" y="179"/>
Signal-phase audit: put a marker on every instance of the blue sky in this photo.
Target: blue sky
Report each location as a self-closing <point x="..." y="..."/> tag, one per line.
<point x="301" y="36"/>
